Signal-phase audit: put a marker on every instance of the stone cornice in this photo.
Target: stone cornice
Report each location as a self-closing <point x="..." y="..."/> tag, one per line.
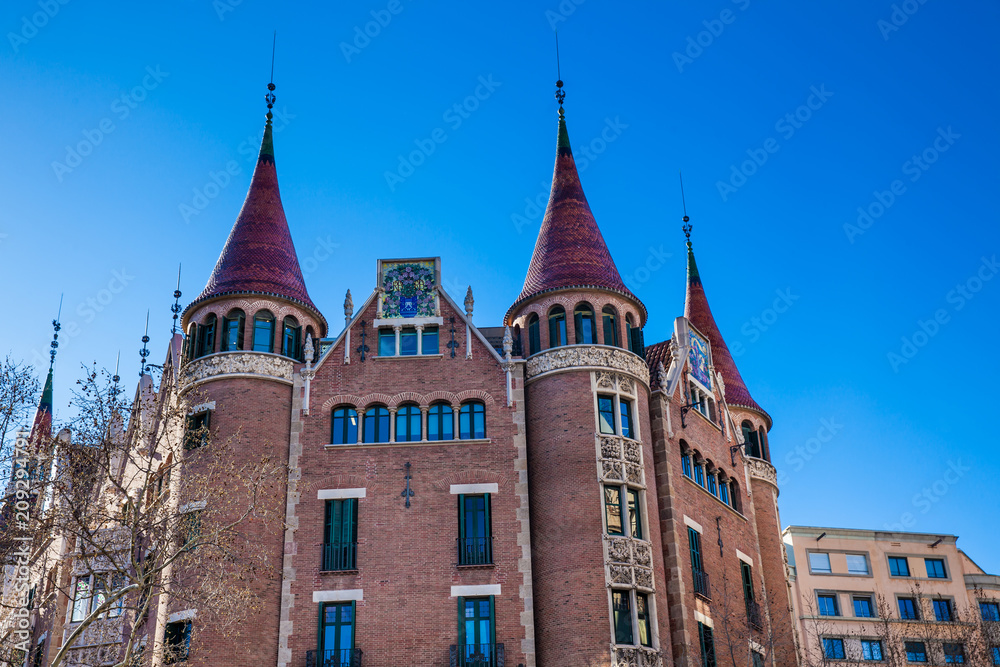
<point x="260" y="365"/>
<point x="762" y="470"/>
<point x="577" y="357"/>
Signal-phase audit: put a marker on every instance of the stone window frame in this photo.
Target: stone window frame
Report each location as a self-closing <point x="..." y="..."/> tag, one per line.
<point x="654" y="639"/>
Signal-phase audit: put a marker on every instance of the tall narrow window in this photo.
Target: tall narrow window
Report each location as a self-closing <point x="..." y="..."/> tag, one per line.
<point x="407" y="342"/>
<point x="386" y="343"/>
<point x="645" y="621"/>
<point x="206" y="335"/>
<point x="625" y="408"/>
<point x="610" y="319"/>
<point x="340" y="535"/>
<point x="621" y="605"/>
<point x="723" y="490"/>
<point x="440" y="422"/>
<point x="750" y="440"/>
<point x="291" y="338"/>
<point x="196" y="430"/>
<point x="408" y="424"/>
<point x="762" y="440"/>
<point x="699" y="473"/>
<point x="629" y="328"/>
<point x="232" y="331"/>
<point x="336" y="633"/>
<point x="583" y="319"/>
<point x="712" y="488"/>
<point x="613" y="510"/>
<point x="263" y="332"/>
<point x="376" y="426"/>
<point x="81" y="599"/>
<point x="746" y="574"/>
<point x="557" y="327"/>
<point x="472" y="421"/>
<point x="534" y="338"/>
<point x="697" y="570"/>
<point x="606" y="413"/>
<point x="429" y="342"/>
<point x="476" y="631"/>
<point x="475" y="541"/>
<point x="176" y="642"/>
<point x="345" y="426"/>
<point x="686" y="464"/>
<point x="634" y="514"/>
<point x="707" y="643"/>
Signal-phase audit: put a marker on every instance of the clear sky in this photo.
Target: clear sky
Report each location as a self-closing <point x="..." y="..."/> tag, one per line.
<point x="131" y="130"/>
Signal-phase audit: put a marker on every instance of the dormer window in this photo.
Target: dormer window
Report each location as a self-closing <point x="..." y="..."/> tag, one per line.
<point x="232" y="330"/>
<point x="263" y="331"/>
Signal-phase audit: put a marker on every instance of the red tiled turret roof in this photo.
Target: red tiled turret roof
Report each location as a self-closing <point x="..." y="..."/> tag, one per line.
<point x="570" y="251"/>
<point x="259" y="256"/>
<point x="697" y="311"/>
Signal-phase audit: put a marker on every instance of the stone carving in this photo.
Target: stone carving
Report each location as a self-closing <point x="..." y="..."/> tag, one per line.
<point x="632" y="451"/>
<point x="612" y="470"/>
<point x="262" y="364"/>
<point x="584" y="356"/>
<point x="620" y="574"/>
<point x="606" y="380"/>
<point x="618" y="549"/>
<point x="761" y="469"/>
<point x="633" y="474"/>
<point x="643" y="554"/>
<point x="644" y="578"/>
<point x="635" y="657"/>
<point x="626" y="385"/>
<point x="610" y="448"/>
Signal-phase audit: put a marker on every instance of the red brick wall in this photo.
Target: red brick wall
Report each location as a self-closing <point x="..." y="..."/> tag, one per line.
<point x="772" y="553"/>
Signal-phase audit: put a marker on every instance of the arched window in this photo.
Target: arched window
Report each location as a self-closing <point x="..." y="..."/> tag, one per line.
<point x="263" y="331"/>
<point x="534" y="338"/>
<point x="440" y="422"/>
<point x="686" y="468"/>
<point x="192" y="340"/>
<point x="583" y="319"/>
<point x="610" y="317"/>
<point x="376" y="426"/>
<point x="629" y="327"/>
<point x="750" y="441"/>
<point x="557" y="327"/>
<point x="710" y="477"/>
<point x="345" y="426"/>
<point x="699" y="470"/>
<point x="206" y="335"/>
<point x="734" y="495"/>
<point x="723" y="488"/>
<point x="472" y="421"/>
<point x="291" y="338"/>
<point x="232" y="330"/>
<point x="408" y="424"/>
<point x="762" y="434"/>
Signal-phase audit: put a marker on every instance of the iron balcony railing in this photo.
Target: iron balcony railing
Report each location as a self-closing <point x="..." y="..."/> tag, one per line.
<point x="753" y="615"/>
<point x="340" y="556"/>
<point x="475" y="550"/>
<point x="477" y="655"/>
<point x="701" y="586"/>
<point x="348" y="657"/>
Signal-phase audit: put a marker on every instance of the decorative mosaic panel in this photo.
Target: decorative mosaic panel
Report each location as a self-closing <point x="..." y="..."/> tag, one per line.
<point x="699" y="360"/>
<point x="409" y="287"/>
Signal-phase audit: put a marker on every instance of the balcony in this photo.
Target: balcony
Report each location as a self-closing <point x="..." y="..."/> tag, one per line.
<point x="477" y="655"/>
<point x="339" y="556"/>
<point x="475" y="550"/>
<point x="753" y="615"/>
<point x="701" y="587"/>
<point x="348" y="657"/>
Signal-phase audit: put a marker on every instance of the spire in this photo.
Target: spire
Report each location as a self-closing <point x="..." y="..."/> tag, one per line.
<point x="697" y="311"/>
<point x="41" y="426"/>
<point x="259" y="256"/>
<point x="570" y="251"/>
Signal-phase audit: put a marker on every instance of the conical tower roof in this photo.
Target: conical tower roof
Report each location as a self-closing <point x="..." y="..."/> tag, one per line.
<point x="41" y="427"/>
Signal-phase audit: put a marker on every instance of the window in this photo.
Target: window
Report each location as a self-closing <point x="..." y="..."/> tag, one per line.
<point x="756" y="659"/>
<point x="345" y="426"/>
<point x="990" y="611"/>
<point x="476" y="631"/>
<point x="995" y="651"/>
<point x="192" y="529"/>
<point x="408" y="428"/>
<point x="686" y="464"/>
<point x="177" y="642"/>
<point x="336" y="633"/>
<point x="746" y="574"/>
<point x="734" y="495"/>
<point x="606" y="413"/>
<point x="942" y="610"/>
<point x="291" y="338"/>
<point x="475" y="542"/>
<point x="81" y="599"/>
<point x="833" y="648"/>
<point x="828" y="605"/>
<point x="699" y="473"/>
<point x="634" y="516"/>
<point x="643" y="615"/>
<point x="625" y="408"/>
<point x="707" y="644"/>
<point x="232" y="331"/>
<point x="534" y="339"/>
<point x="762" y="438"/>
<point x="629" y="326"/>
<point x="386" y="343"/>
<point x="751" y="440"/>
<point x="407" y="342"/>
<point x="376" y="426"/>
<point x="908" y="610"/>
<point x="712" y="488"/>
<point x="429" y="341"/>
<point x="583" y="318"/>
<point x="206" y="336"/>
<point x="863" y="607"/>
<point x="557" y="327"/>
<point x="723" y="490"/>
<point x="610" y="319"/>
<point x="340" y="535"/>
<point x="954" y="654"/>
<point x="472" y="421"/>
<point x="440" y="422"/>
<point x="935" y="568"/>
<point x="613" y="510"/>
<point x="697" y="569"/>
<point x="898" y="567"/>
<point x="196" y="430"/>
<point x="915" y="651"/>
<point x="857" y="564"/>
<point x="871" y="650"/>
<point x="819" y="563"/>
<point x="263" y="332"/>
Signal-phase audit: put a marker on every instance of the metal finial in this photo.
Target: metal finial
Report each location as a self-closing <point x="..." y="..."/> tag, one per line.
<point x="560" y="93"/>
<point x="270" y="98"/>
<point x="176" y="308"/>
<point x="687" y="221"/>
<point x="115" y="378"/>
<point x="144" y="352"/>
<point x="56" y="326"/>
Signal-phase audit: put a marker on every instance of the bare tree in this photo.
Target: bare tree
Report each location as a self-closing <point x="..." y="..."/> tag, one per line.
<point x="18" y="395"/>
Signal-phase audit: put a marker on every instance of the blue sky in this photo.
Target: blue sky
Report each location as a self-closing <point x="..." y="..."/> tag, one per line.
<point x="786" y="120"/>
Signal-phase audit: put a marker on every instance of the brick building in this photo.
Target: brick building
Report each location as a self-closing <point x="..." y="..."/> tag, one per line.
<point x="547" y="491"/>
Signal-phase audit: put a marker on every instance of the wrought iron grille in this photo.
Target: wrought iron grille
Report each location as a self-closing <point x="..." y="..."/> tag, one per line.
<point x="340" y="556"/>
<point x="475" y="550"/>
<point x="753" y="614"/>
<point x="478" y="655"/>
<point x="348" y="657"/>
<point x="701" y="586"/>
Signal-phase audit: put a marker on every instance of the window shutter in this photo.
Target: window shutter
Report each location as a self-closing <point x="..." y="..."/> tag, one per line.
<point x="298" y="344"/>
<point x="461" y="625"/>
<point x="328" y="524"/>
<point x="461" y="518"/>
<point x="319" y="633"/>
<point x="240" y="321"/>
<point x="636" y="342"/>
<point x="493" y="624"/>
<point x="488" y="544"/>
